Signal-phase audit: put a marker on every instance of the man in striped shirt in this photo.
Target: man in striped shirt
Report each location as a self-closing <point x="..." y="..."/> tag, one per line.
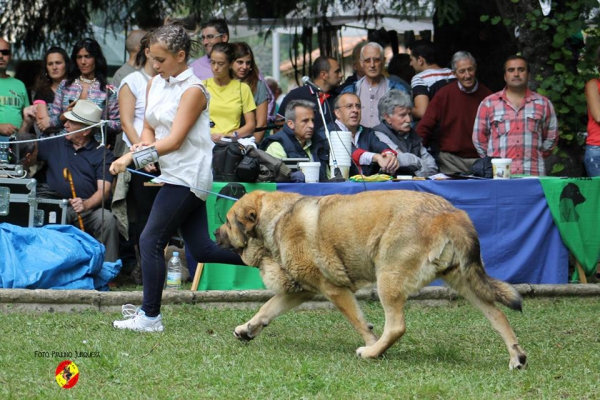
<point x="516" y="122"/>
<point x="429" y="78"/>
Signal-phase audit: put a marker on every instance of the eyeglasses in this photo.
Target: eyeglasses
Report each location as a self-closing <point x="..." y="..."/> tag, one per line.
<point x="372" y="60"/>
<point x="210" y="37"/>
<point x="5" y="52"/>
<point x="351" y="106"/>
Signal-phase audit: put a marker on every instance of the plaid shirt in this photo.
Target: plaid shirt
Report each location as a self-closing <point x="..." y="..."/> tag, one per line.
<point x="523" y="134"/>
<point x="65" y="95"/>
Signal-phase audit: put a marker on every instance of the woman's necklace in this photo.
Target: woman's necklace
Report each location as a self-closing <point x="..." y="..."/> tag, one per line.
<point x="85" y="80"/>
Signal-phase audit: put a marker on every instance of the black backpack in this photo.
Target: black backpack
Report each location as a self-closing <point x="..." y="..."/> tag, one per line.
<point x="231" y="164"/>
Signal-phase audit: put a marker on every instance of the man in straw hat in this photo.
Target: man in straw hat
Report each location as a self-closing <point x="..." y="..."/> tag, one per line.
<point x="87" y="165"/>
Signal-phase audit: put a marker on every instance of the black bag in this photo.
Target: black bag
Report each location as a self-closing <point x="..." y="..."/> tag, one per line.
<point x="248" y="169"/>
<point x="271" y="169"/>
<point x="226" y="157"/>
<point x="482" y="168"/>
<point x="231" y="164"/>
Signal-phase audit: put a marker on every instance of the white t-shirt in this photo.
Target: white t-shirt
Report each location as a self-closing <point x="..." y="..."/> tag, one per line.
<point x="191" y="165"/>
<point x="137" y="82"/>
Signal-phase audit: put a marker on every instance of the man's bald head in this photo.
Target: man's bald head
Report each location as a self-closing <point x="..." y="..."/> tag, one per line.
<point x="132" y="44"/>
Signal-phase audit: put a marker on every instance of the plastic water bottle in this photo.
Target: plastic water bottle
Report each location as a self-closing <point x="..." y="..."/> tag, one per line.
<point x="174" y="272"/>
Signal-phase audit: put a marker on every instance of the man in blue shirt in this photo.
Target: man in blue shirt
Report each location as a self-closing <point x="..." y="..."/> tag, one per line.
<point x="88" y="165"/>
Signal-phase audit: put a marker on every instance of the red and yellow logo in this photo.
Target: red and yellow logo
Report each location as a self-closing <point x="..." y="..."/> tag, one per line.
<point x="67" y="374"/>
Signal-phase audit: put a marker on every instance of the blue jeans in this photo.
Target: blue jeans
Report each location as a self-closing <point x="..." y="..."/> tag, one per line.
<point x="175" y="207"/>
<point x="592" y="160"/>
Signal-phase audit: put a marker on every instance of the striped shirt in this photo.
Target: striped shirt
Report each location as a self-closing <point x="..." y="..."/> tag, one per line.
<point x="523" y="133"/>
<point x="428" y="82"/>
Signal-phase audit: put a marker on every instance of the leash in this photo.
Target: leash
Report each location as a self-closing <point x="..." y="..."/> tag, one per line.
<point x="178" y="184"/>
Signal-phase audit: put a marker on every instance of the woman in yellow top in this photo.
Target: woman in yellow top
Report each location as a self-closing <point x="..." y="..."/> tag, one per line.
<point x="230" y="99"/>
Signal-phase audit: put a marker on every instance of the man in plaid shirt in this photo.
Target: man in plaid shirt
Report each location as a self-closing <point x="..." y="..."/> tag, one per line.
<point x="516" y="122"/>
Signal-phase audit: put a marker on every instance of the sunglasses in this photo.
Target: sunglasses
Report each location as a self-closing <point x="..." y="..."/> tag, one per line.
<point x="5" y="52"/>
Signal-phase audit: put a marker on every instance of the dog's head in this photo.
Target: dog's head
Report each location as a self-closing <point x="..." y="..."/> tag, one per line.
<point x="241" y="223"/>
<point x="571" y="191"/>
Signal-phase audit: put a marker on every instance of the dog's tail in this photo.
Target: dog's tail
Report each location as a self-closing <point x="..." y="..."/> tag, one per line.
<point x="457" y="254"/>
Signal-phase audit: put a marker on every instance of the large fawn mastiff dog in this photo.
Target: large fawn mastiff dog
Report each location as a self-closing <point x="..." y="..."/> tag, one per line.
<point x="401" y="240"/>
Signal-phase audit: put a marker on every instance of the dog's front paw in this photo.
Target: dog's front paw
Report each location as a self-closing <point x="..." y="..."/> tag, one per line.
<point x="518" y="363"/>
<point x="366" y="352"/>
<point x="243" y="333"/>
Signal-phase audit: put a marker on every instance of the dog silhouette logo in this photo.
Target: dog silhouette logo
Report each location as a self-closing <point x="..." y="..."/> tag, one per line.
<point x="570" y="198"/>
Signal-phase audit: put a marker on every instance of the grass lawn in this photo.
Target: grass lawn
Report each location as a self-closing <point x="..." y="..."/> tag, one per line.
<point x="447" y="353"/>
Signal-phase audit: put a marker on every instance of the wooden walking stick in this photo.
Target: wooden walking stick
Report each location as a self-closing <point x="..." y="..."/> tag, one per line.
<point x="68" y="177"/>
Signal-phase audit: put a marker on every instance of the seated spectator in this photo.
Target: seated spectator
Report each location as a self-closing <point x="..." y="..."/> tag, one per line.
<point x="88" y="165"/>
<point x="13" y="95"/>
<point x="297" y="139"/>
<point x="369" y="154"/>
<point x="86" y="80"/>
<point x="54" y="67"/>
<point x="395" y="130"/>
<point x="230" y="99"/>
<point x="245" y="70"/>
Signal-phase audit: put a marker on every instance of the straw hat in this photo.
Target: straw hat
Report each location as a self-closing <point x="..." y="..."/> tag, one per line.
<point x="85" y="112"/>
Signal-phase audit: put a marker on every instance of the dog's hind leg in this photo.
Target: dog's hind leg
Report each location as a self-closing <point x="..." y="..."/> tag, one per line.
<point x="392" y="300"/>
<point x="277" y="305"/>
<point x="346" y="302"/>
<point x="518" y="358"/>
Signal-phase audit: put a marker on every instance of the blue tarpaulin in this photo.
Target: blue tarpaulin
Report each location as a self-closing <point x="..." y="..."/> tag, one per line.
<point x="52" y="257"/>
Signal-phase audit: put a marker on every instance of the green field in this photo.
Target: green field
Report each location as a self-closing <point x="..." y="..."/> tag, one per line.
<point x="448" y="352"/>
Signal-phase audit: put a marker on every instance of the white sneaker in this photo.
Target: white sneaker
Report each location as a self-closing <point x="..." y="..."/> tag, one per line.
<point x="137" y="321"/>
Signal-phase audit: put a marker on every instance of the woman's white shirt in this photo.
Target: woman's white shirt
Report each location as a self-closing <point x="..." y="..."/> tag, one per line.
<point x="191" y="165"/>
<point x="138" y="83"/>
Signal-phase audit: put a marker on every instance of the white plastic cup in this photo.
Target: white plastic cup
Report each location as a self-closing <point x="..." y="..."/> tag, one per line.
<point x="341" y="146"/>
<point x="310" y="171"/>
<point x="501" y="168"/>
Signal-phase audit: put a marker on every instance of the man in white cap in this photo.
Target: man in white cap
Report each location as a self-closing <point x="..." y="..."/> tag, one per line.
<point x="88" y="166"/>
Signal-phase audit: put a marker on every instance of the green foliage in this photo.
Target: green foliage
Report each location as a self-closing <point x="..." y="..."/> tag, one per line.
<point x="571" y="65"/>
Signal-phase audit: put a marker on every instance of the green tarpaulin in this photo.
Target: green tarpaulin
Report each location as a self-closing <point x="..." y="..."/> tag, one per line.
<point x="224" y="276"/>
<point x="575" y="207"/>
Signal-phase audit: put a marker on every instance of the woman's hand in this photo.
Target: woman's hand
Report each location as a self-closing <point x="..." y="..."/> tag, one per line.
<point x="121" y="164"/>
<point x="29" y="112"/>
<point x="139" y="146"/>
<point x="150" y="168"/>
<point x="216" y="137"/>
<point x="43" y="123"/>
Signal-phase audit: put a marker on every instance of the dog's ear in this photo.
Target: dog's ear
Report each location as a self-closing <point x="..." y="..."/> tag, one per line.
<point x="248" y="221"/>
